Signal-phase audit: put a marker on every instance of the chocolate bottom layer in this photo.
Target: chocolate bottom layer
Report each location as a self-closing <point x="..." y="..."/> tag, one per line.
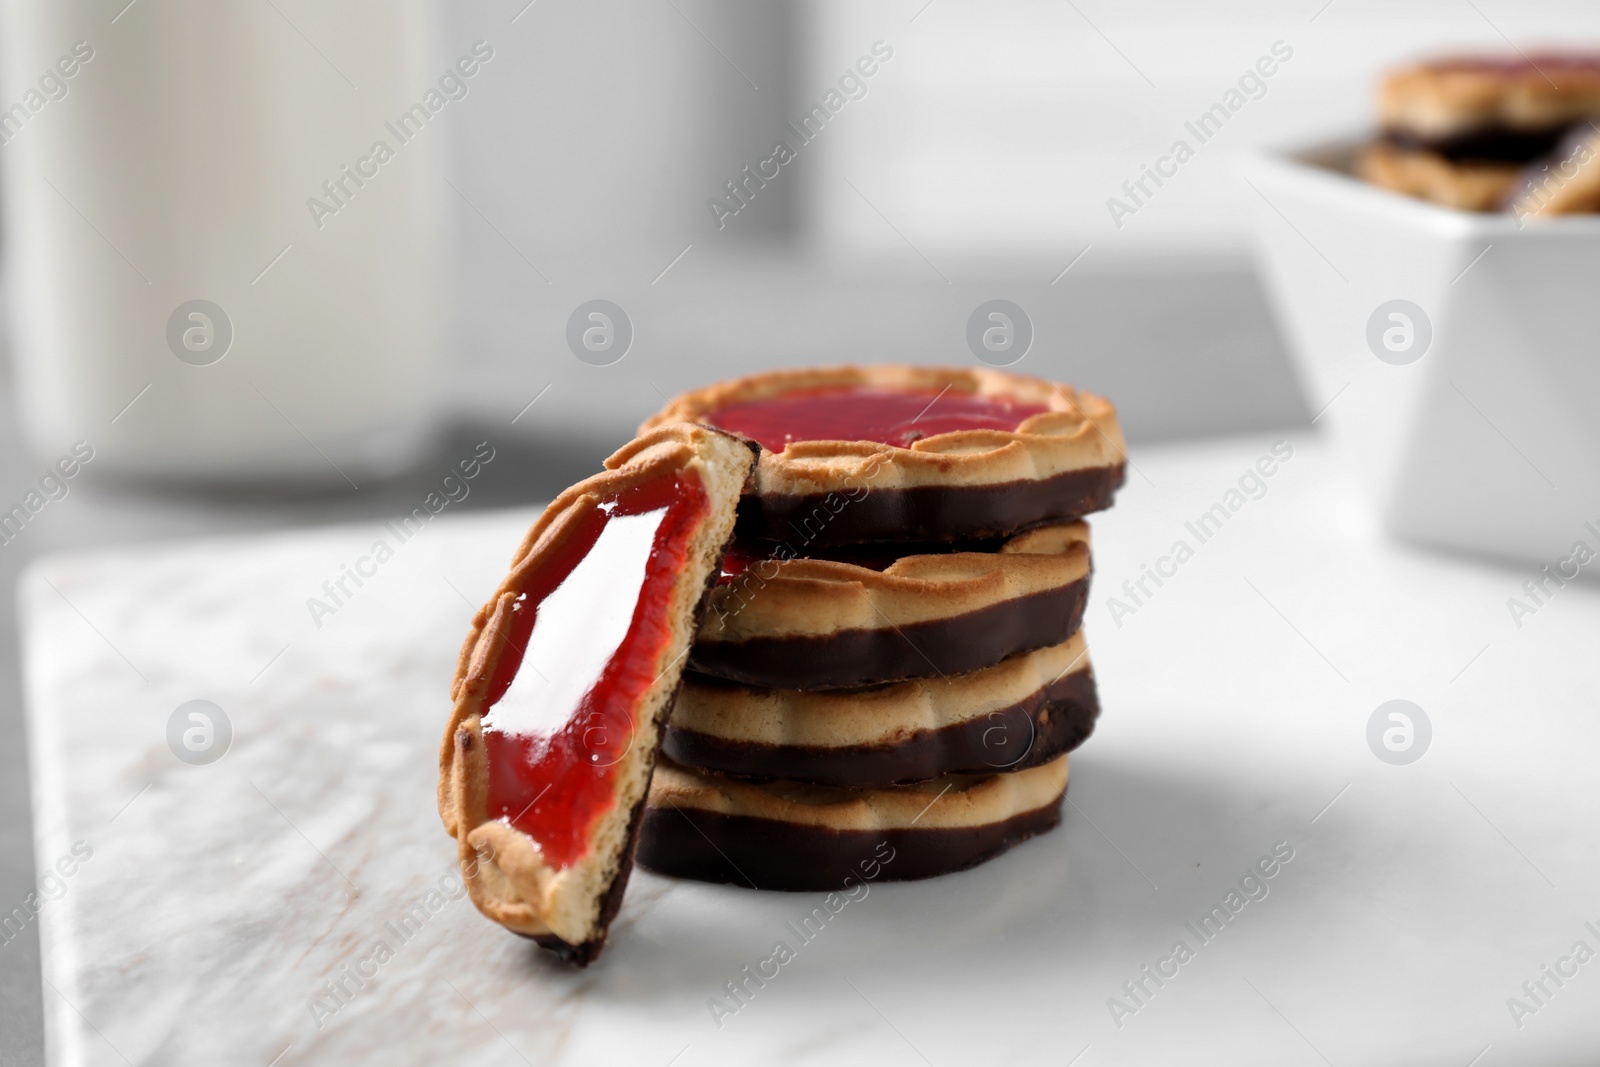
<point x="926" y="512"/>
<point x="1050" y="722"/>
<point x="849" y="659"/>
<point x="1493" y="144"/>
<point x="587" y="952"/>
<point x="768" y="854"/>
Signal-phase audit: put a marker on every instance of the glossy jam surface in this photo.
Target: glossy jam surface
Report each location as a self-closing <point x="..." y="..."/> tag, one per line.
<point x="586" y="633"/>
<point x="888" y="416"/>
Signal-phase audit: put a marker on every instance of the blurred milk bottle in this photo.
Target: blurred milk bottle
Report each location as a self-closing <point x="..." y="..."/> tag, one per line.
<point x="177" y="296"/>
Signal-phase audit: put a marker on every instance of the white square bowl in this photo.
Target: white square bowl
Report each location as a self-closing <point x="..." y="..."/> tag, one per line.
<point x="1490" y="441"/>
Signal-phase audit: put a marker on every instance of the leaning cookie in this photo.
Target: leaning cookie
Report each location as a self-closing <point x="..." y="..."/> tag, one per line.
<point x="1565" y="183"/>
<point x="1017" y="714"/>
<point x="783" y="835"/>
<point x="895" y="453"/>
<point x="567" y="677"/>
<point x="833" y="624"/>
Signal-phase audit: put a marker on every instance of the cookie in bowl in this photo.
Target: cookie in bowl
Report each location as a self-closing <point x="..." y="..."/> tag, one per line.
<point x="889" y="453"/>
<point x="1464" y="131"/>
<point x="1568" y="183"/>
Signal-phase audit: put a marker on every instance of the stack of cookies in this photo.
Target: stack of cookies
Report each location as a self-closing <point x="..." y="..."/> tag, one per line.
<point x="891" y="662"/>
<point x="1515" y="133"/>
<point x="806" y="626"/>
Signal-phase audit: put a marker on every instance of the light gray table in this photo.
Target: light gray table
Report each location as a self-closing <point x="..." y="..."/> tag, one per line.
<point x="1238" y="698"/>
<point x="1182" y="352"/>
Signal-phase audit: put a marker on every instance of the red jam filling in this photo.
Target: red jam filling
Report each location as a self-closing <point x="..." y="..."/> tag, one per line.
<point x="889" y="416"/>
<point x="585" y="636"/>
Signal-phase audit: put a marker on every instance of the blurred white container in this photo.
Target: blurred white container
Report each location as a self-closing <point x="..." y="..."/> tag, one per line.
<point x="1487" y="443"/>
<point x="175" y="164"/>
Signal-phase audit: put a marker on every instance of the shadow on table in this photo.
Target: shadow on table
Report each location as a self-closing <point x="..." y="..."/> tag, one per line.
<point x="1071" y="893"/>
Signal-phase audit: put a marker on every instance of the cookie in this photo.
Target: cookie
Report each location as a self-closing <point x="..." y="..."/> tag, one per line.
<point x="1506" y="108"/>
<point x="1017" y="714"/>
<point x="852" y="620"/>
<point x="567" y="677"/>
<point x="1467" y="186"/>
<point x="853" y="455"/>
<point x="784" y="835"/>
<point x="1567" y="183"/>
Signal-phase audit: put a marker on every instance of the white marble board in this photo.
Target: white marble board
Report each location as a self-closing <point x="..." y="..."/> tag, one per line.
<point x="1419" y="899"/>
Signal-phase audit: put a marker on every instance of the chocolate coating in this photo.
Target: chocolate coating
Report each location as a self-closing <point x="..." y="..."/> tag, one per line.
<point x="581" y="955"/>
<point x="1052" y="721"/>
<point x="848" y="659"/>
<point x="744" y="850"/>
<point x="1494" y="144"/>
<point x="927" y="512"/>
